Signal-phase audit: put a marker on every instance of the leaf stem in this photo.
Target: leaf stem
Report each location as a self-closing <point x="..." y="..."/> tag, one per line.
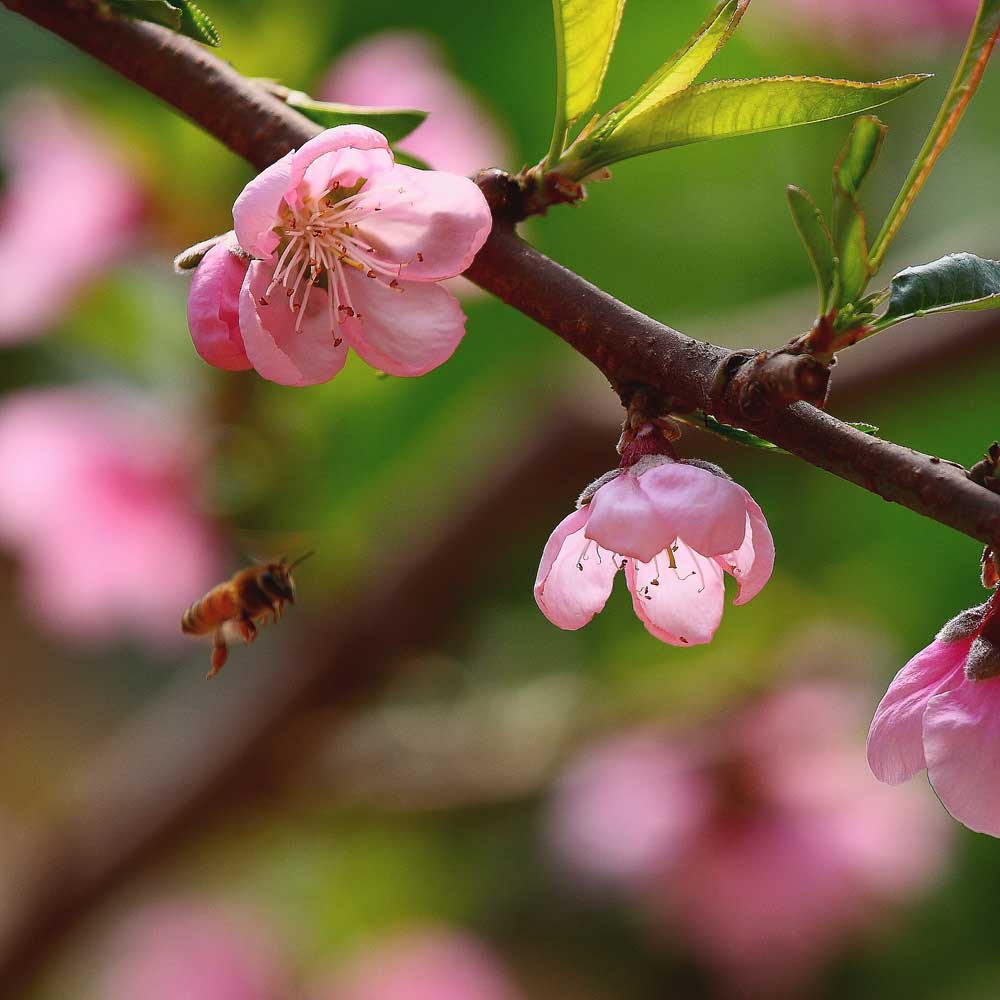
<point x="963" y="86"/>
<point x="560" y="126"/>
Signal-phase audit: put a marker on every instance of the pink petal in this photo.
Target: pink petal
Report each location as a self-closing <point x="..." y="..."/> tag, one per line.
<point x="407" y="330"/>
<point x="214" y="308"/>
<point x="404" y="69"/>
<point x="685" y="607"/>
<point x="623" y="520"/>
<point x="896" y="737"/>
<point x="751" y="564"/>
<point x="345" y="154"/>
<point x="429" y="222"/>
<point x="568" y="595"/>
<point x="275" y="349"/>
<point x="962" y="744"/>
<point x="256" y="211"/>
<point x="707" y="511"/>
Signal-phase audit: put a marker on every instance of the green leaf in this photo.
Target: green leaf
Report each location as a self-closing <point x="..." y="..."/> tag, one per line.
<point x="168" y="15"/>
<point x="701" y="419"/>
<point x="196" y="24"/>
<point x="860" y="425"/>
<point x="681" y="70"/>
<point x="960" y="281"/>
<point x="982" y="39"/>
<point x="408" y="160"/>
<point x="815" y="235"/>
<point x="727" y="108"/>
<point x="585" y="36"/>
<point x="850" y="235"/>
<point x="393" y="123"/>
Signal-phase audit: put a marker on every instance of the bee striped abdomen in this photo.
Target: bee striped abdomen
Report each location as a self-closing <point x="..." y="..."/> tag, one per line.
<point x="216" y="607"/>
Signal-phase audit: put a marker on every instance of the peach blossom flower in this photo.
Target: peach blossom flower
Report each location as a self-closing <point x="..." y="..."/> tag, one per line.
<point x="866" y="27"/>
<point x="68" y="208"/>
<point x="674" y="527"/>
<point x="187" y="950"/>
<point x="348" y="249"/>
<point x="404" y="69"/>
<point x="97" y="500"/>
<point x="941" y="712"/>
<point x="761" y="841"/>
<point x="429" y="964"/>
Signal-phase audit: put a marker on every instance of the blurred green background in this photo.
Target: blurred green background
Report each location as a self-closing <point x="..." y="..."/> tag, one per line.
<point x="698" y="237"/>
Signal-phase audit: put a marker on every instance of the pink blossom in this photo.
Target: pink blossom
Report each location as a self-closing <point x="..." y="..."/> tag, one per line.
<point x="69" y="207"/>
<point x="941" y="713"/>
<point x="866" y="27"/>
<point x="674" y="527"/>
<point x="348" y="249"/>
<point x="404" y="69"/>
<point x="187" y="950"/>
<point x="760" y="840"/>
<point x="97" y="500"/>
<point x="429" y="964"/>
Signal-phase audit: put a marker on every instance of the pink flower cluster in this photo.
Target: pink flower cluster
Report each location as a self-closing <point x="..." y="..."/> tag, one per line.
<point x="336" y="246"/>
<point x="941" y="713"/>
<point x="761" y="841"/>
<point x="68" y="208"/>
<point x="674" y="528"/>
<point x="97" y="500"/>
<point x="191" y="950"/>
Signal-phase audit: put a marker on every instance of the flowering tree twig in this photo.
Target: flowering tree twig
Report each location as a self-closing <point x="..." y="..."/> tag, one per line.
<point x="759" y="391"/>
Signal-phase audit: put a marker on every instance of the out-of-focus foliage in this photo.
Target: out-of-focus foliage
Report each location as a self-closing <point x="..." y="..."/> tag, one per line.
<point x="369" y="466"/>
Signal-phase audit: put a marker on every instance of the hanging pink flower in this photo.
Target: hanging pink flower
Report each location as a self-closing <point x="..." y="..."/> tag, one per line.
<point x="428" y="964"/>
<point x="97" y="500"/>
<point x="68" y="208"/>
<point x="405" y="69"/>
<point x="760" y="841"/>
<point x="941" y="713"/>
<point x="674" y="527"/>
<point x="348" y="249"/>
<point x="191" y="950"/>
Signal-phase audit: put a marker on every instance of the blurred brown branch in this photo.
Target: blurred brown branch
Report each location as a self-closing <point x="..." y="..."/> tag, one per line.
<point x="760" y="391"/>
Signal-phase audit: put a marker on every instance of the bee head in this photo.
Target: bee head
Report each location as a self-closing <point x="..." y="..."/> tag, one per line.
<point x="276" y="581"/>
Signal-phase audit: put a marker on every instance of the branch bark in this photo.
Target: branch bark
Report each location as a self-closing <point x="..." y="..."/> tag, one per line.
<point x="748" y="389"/>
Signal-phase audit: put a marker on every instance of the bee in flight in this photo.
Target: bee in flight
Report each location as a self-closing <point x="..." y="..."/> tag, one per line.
<point x="238" y="607"/>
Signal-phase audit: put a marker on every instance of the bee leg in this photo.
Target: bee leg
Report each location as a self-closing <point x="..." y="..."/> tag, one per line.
<point x="220" y="653"/>
<point x="248" y="629"/>
<point x="276" y="610"/>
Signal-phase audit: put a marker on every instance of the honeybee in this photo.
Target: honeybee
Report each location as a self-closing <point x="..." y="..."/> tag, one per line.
<point x="240" y="606"/>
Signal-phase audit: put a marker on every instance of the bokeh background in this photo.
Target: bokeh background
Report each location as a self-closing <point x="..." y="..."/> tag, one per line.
<point x="477" y="806"/>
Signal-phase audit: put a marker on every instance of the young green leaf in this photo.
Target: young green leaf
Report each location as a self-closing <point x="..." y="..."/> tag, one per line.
<point x="850" y="237"/>
<point x="167" y="15"/>
<point x="393" y="123"/>
<point x="704" y="420"/>
<point x="585" y="35"/>
<point x="196" y="24"/>
<point x="815" y="235"/>
<point x="860" y="425"/>
<point x="983" y="38"/>
<point x="728" y="108"/>
<point x="960" y="281"/>
<point x="681" y="70"/>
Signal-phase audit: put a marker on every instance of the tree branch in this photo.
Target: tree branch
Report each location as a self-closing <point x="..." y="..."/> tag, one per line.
<point x="747" y="389"/>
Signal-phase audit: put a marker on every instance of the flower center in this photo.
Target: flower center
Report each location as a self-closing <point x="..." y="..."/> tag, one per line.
<point x="321" y="244"/>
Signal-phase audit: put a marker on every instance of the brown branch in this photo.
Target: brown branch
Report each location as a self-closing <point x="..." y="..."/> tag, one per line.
<point x="748" y="389"/>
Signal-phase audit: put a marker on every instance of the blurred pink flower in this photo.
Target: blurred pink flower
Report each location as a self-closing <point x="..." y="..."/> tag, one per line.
<point x="423" y="965"/>
<point x="762" y="840"/>
<point x="97" y="500"/>
<point x="68" y="208"/>
<point x="194" y="951"/>
<point x="674" y="527"/>
<point x="404" y="69"/>
<point x="941" y="713"/>
<point x="860" y="26"/>
<point x="379" y="236"/>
